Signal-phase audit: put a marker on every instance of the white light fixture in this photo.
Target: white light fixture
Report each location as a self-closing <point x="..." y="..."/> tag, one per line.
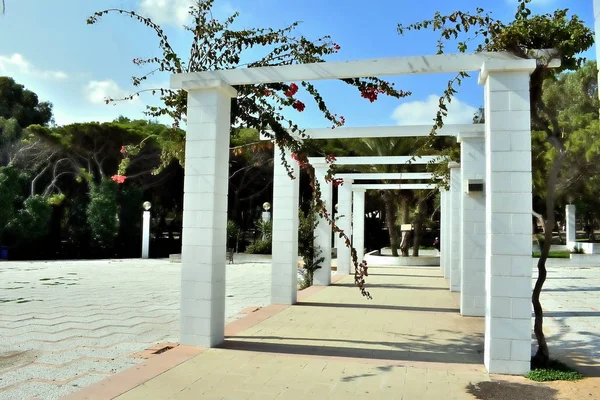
<point x="266" y="206"/>
<point x="147" y="205"/>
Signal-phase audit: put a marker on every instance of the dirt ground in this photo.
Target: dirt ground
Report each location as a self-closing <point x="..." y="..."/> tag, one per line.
<point x="519" y="388"/>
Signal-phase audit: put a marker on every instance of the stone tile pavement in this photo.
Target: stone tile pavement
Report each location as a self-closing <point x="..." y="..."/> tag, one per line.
<point x="67" y="324"/>
<point x="407" y="343"/>
<point x="571" y="302"/>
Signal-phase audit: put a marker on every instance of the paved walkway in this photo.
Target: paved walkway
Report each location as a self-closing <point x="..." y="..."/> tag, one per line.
<point x="67" y="324"/>
<point x="571" y="300"/>
<point x="409" y="342"/>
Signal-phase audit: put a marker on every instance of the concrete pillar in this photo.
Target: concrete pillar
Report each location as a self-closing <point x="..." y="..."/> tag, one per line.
<point x="472" y="227"/>
<point x="358" y="222"/>
<point x="284" y="263"/>
<point x="444" y="217"/>
<point x="145" y="234"/>
<point x="322" y="276"/>
<point x="204" y="236"/>
<point x="571" y="226"/>
<point x="508" y="322"/>
<point x="455" y="220"/>
<point x="345" y="224"/>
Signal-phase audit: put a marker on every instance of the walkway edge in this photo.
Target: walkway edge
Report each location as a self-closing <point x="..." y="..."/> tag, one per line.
<point x="137" y="375"/>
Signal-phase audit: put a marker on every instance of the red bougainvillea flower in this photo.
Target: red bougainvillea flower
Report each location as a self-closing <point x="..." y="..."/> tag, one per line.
<point x="267" y="92"/>
<point x="119" y="178"/>
<point x="292" y="91"/>
<point x="336" y="47"/>
<point x="298" y="105"/>
<point x="123" y="150"/>
<point x="337" y="182"/>
<point x="330" y="158"/>
<point x="370" y="93"/>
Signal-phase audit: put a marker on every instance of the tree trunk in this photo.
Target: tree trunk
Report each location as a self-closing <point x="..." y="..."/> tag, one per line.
<point x="406" y="236"/>
<point x="405" y="243"/>
<point x="542" y="356"/>
<point x="390" y="220"/>
<point x="418" y="228"/>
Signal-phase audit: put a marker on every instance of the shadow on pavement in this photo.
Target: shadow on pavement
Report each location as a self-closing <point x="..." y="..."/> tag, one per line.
<point x="511" y="391"/>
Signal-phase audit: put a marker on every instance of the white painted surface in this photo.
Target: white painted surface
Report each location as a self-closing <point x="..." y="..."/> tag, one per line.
<point x="472" y="229"/>
<point x="358" y="222"/>
<point x="508" y="221"/>
<point x="284" y="275"/>
<point x="397" y="186"/>
<point x="429" y="64"/>
<point x="571" y="213"/>
<point x="204" y="234"/>
<point x="322" y="276"/>
<point x="382" y="160"/>
<point x="455" y="222"/>
<point x="383" y="175"/>
<point x="145" y="234"/>
<point x="344" y="223"/>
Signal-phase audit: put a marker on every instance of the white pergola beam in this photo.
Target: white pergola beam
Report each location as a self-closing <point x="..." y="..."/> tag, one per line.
<point x="396" y="186"/>
<point x="411" y="65"/>
<point x="453" y="130"/>
<point x="379" y="160"/>
<point x="383" y="175"/>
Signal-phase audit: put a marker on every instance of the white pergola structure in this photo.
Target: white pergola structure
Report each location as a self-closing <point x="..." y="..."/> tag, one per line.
<point x="358" y="204"/>
<point x="507" y="194"/>
<point x="346" y="196"/>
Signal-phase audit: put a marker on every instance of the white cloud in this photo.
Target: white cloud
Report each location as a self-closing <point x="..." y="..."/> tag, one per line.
<point x="423" y="112"/>
<point x="167" y="11"/>
<point x="16" y="64"/>
<point x="96" y="92"/>
<point x="177" y="12"/>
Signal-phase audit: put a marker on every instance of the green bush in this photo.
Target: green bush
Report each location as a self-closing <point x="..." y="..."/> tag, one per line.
<point x="34" y="218"/>
<point x="306" y="243"/>
<point x="556" y="371"/>
<point x="259" y="247"/>
<point x="233" y="234"/>
<point x="102" y="213"/>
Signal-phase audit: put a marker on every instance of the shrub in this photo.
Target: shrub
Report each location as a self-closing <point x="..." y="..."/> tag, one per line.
<point x="259" y="247"/>
<point x="306" y="243"/>
<point x="102" y="213"/>
<point x="233" y="234"/>
<point x="556" y="371"/>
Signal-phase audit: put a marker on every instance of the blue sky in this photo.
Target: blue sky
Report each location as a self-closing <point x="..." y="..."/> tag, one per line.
<point x="48" y="47"/>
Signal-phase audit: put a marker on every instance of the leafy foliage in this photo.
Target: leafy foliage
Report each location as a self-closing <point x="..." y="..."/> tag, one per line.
<point x="260" y="247"/>
<point x="218" y="46"/>
<point x="311" y="254"/>
<point x="556" y="371"/>
<point x="22" y="104"/>
<point x="102" y="213"/>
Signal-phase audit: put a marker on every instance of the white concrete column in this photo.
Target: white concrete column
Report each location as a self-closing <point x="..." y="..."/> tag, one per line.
<point x="345" y="224"/>
<point x="444" y="216"/>
<point x="455" y="219"/>
<point x="204" y="239"/>
<point x="508" y="188"/>
<point x="571" y="226"/>
<point x="145" y="234"/>
<point x="472" y="227"/>
<point x="284" y="264"/>
<point x="358" y="222"/>
<point x="322" y="276"/>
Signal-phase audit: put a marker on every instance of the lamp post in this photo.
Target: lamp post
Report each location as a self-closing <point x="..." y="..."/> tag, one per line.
<point x="266" y="216"/>
<point x="146" y="229"/>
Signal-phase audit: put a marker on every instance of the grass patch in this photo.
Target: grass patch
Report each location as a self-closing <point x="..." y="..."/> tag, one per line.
<point x="554" y="254"/>
<point x="556" y="371"/>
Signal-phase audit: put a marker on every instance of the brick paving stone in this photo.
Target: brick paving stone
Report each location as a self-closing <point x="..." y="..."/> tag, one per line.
<point x="80" y="316"/>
